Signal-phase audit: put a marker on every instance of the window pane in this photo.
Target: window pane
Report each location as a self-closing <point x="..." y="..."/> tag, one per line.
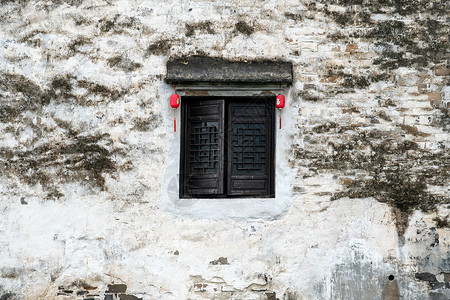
<point x="249" y="148"/>
<point x="204" y="148"/>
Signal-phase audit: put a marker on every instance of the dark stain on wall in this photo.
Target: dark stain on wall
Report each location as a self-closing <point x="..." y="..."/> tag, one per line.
<point x="123" y="63"/>
<point x="7" y="296"/>
<point x="106" y="25"/>
<point x="432" y="280"/>
<point x="30" y="96"/>
<point x="385" y="165"/>
<point x="442" y="222"/>
<point x="101" y="90"/>
<point x="397" y="171"/>
<point x="33" y="38"/>
<point x="78" y="158"/>
<point x="244" y="28"/>
<point x="402" y="7"/>
<point x="205" y="27"/>
<point x="118" y="24"/>
<point x="160" y="47"/>
<point x="400" y="44"/>
<point x="76" y="44"/>
<point x="61" y="88"/>
<point x="292" y="16"/>
<point x="85" y="291"/>
<point x="10" y="272"/>
<point x="21" y="94"/>
<point x="147" y="123"/>
<point x="220" y="261"/>
<point x="75" y="156"/>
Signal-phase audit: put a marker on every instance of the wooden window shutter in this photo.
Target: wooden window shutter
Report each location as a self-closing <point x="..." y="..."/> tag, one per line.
<point x="250" y="148"/>
<point x="203" y="148"/>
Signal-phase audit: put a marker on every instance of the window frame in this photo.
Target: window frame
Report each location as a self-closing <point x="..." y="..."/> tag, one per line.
<point x="226" y="154"/>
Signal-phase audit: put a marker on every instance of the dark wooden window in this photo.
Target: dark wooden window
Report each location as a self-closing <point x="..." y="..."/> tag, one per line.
<point x="227" y="147"/>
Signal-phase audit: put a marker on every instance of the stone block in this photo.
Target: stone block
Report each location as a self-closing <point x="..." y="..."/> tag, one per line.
<point x="426" y="277"/>
<point x="437" y="285"/>
<point x="351" y="48"/>
<point x="117" y="288"/>
<point x="442" y="71"/>
<point x="435" y="98"/>
<point x="128" y="297"/>
<point x="207" y="69"/>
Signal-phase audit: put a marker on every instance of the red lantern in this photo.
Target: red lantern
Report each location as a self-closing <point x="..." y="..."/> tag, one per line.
<point x="280" y="102"/>
<point x="174" y="103"/>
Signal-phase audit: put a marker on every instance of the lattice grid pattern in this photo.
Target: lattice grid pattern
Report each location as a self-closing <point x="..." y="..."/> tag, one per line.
<point x="204" y="147"/>
<point x="249" y="148"/>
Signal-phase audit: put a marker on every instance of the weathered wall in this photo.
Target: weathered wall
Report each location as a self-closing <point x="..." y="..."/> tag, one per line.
<point x="86" y="135"/>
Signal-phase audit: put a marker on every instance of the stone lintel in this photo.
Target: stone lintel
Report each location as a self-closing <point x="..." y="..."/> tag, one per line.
<point x="218" y="70"/>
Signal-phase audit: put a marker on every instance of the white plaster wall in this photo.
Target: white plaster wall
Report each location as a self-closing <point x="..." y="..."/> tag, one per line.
<point x="69" y="233"/>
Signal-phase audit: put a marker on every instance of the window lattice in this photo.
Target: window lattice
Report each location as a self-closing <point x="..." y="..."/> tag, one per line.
<point x="249" y="148"/>
<point x="204" y="148"/>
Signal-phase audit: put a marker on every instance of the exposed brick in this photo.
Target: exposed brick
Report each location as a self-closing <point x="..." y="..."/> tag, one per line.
<point x="350" y="110"/>
<point x="200" y="287"/>
<point x="351" y="48"/>
<point x="426" y="277"/>
<point x="128" y="297"/>
<point x="410" y="129"/>
<point x="89" y="288"/>
<point x="346" y="181"/>
<point x="442" y="71"/>
<point x="117" y="288"/>
<point x="333" y="78"/>
<point x="435" y="98"/>
<point x="437" y="285"/>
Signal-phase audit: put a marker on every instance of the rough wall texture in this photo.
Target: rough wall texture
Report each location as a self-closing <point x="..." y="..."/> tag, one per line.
<point x="83" y="148"/>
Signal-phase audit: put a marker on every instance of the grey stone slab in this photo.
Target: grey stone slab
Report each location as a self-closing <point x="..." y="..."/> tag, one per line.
<point x="117" y="288"/>
<point x="218" y="70"/>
